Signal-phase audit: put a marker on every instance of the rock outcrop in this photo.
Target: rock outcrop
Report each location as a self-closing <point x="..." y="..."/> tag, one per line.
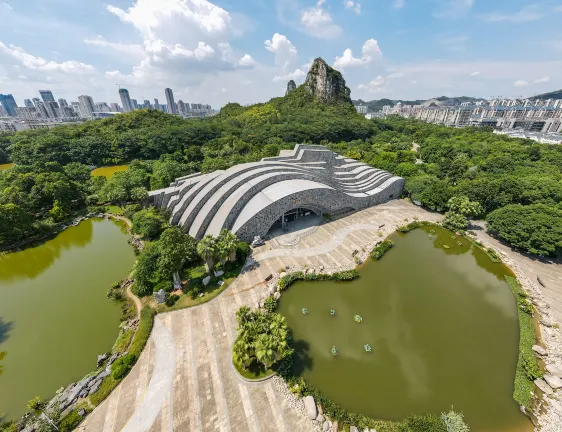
<point x="326" y="83"/>
<point x="290" y="87"/>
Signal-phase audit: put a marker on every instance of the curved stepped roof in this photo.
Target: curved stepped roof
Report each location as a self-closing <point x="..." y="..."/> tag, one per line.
<point x="248" y="198"/>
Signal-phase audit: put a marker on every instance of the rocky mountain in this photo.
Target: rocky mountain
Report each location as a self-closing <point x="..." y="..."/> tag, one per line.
<point x="551" y="95"/>
<point x="326" y="83"/>
<point x="290" y="87"/>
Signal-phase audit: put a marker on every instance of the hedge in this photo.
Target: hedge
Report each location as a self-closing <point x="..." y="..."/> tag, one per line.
<point x="287" y="280"/>
<point x="378" y="252"/>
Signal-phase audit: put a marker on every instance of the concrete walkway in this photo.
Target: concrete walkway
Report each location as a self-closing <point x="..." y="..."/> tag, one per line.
<point x="550" y="272"/>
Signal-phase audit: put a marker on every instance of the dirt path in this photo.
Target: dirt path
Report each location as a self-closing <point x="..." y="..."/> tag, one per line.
<point x="135" y="300"/>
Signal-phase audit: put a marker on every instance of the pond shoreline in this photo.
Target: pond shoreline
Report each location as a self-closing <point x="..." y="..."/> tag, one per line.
<point x="537" y="413"/>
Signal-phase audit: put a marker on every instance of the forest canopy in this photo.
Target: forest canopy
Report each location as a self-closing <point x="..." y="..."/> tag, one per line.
<point x="51" y="177"/>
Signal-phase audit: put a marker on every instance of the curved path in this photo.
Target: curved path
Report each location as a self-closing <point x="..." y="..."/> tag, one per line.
<point x="184" y="379"/>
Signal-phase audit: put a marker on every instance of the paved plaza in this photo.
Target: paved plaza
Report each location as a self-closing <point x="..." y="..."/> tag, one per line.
<point x="184" y="379"/>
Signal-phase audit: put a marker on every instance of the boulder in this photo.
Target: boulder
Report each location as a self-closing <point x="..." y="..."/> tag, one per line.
<point x="554" y="370"/>
<point x="219" y="273"/>
<point x="102" y="358"/>
<point x="553" y="381"/>
<point x="81" y="412"/>
<point x="160" y="296"/>
<point x="353" y="429"/>
<point x="320" y="419"/>
<point x="282" y="274"/>
<point x="539" y="350"/>
<point x="206" y="280"/>
<point x="541" y="384"/>
<point x="310" y="406"/>
<point x="277" y="295"/>
<point x="94" y="388"/>
<point x="326" y="426"/>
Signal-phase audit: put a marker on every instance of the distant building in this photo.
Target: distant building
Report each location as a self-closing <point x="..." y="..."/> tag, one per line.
<point x="125" y="100"/>
<point x="9" y="104"/>
<point x="115" y="107"/>
<point x="63" y="103"/>
<point x="52" y="109"/>
<point x="157" y="105"/>
<point x="134" y="104"/>
<point x="47" y="96"/>
<point x="170" y="101"/>
<point x="101" y="107"/>
<point x="28" y="103"/>
<point x="146" y="104"/>
<point x="361" y="109"/>
<point x="86" y="106"/>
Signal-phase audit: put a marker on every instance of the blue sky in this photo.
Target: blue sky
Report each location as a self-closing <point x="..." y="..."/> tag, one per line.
<point x="246" y="50"/>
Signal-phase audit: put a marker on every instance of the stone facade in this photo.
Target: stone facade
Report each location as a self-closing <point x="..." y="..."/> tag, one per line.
<point x="249" y="198"/>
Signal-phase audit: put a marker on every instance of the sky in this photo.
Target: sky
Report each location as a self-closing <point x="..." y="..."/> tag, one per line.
<point x="245" y="51"/>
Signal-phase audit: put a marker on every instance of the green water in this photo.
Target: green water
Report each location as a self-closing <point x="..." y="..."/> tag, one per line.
<point x="54" y="315"/>
<point x="6" y="166"/>
<point x="108" y="171"/>
<point x="443" y="328"/>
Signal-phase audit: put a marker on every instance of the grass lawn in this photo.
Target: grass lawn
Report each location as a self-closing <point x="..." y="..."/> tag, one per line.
<point x="210" y="292"/>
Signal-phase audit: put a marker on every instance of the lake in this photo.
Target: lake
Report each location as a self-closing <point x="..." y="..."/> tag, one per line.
<point x="55" y="317"/>
<point x="443" y="328"/>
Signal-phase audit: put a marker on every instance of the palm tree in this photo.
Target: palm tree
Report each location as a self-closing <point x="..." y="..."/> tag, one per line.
<point x="265" y="350"/>
<point x="242" y="353"/>
<point x="229" y="243"/>
<point x="207" y="249"/>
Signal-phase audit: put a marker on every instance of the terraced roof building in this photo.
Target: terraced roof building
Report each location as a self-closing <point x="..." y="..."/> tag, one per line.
<point x="250" y="198"/>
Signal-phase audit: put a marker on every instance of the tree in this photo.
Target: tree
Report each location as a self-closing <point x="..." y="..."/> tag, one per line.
<point x="145" y="270"/>
<point x="139" y="194"/>
<point x="228" y="243"/>
<point x="15" y="223"/>
<point x="207" y="250"/>
<point x="455" y="221"/>
<point x="58" y="213"/>
<point x="148" y="223"/>
<point x="535" y="228"/>
<point x="176" y="250"/>
<point x="462" y="205"/>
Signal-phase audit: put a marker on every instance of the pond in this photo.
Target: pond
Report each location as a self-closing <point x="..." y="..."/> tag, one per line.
<point x="55" y="317"/>
<point x="108" y="171"/>
<point x="441" y="322"/>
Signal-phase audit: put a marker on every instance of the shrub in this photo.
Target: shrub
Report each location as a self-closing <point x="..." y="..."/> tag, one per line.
<point x="378" y="252"/>
<point x="346" y="275"/>
<point x="122" y="366"/>
<point x="171" y="300"/>
<point x="143" y="331"/>
<point x="289" y="279"/>
<point x="423" y="423"/>
<point x="119" y="372"/>
<point x="131" y="210"/>
<point x="270" y="304"/>
<point x="455" y="221"/>
<point x="243" y="251"/>
<point x="166" y="285"/>
<point x="148" y="223"/>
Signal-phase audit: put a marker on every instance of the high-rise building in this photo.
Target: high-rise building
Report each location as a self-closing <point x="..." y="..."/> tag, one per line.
<point x="52" y="109"/>
<point x="9" y="104"/>
<point x="86" y="106"/>
<point x="146" y="104"/>
<point x="170" y="101"/>
<point x="157" y="105"/>
<point x="27" y="113"/>
<point x="28" y="103"/>
<point x="125" y="100"/>
<point x="134" y="104"/>
<point x="63" y="103"/>
<point x="3" y="112"/>
<point x="114" y="107"/>
<point x="40" y="107"/>
<point x="47" y="95"/>
<point x="102" y="107"/>
<point x="181" y="107"/>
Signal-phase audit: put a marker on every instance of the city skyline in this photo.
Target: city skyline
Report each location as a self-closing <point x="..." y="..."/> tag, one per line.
<point x="246" y="51"/>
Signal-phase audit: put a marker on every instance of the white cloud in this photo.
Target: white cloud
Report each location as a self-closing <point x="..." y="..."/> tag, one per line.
<point x="395" y="75"/>
<point x="557" y="8"/>
<point x="375" y="86"/>
<point x="247" y="61"/>
<point x="353" y="5"/>
<point x="399" y="4"/>
<point x="6" y="5"/>
<point x="370" y="51"/>
<point x="319" y="23"/>
<point x="451" y="9"/>
<point x="520" y="83"/>
<point x="474" y="73"/>
<point x="541" y="80"/>
<point x="294" y="75"/>
<point x="130" y="49"/>
<point x="556" y="44"/>
<point x="284" y="50"/>
<point x="526" y="14"/>
<point x="40" y="64"/>
<point x="178" y="36"/>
